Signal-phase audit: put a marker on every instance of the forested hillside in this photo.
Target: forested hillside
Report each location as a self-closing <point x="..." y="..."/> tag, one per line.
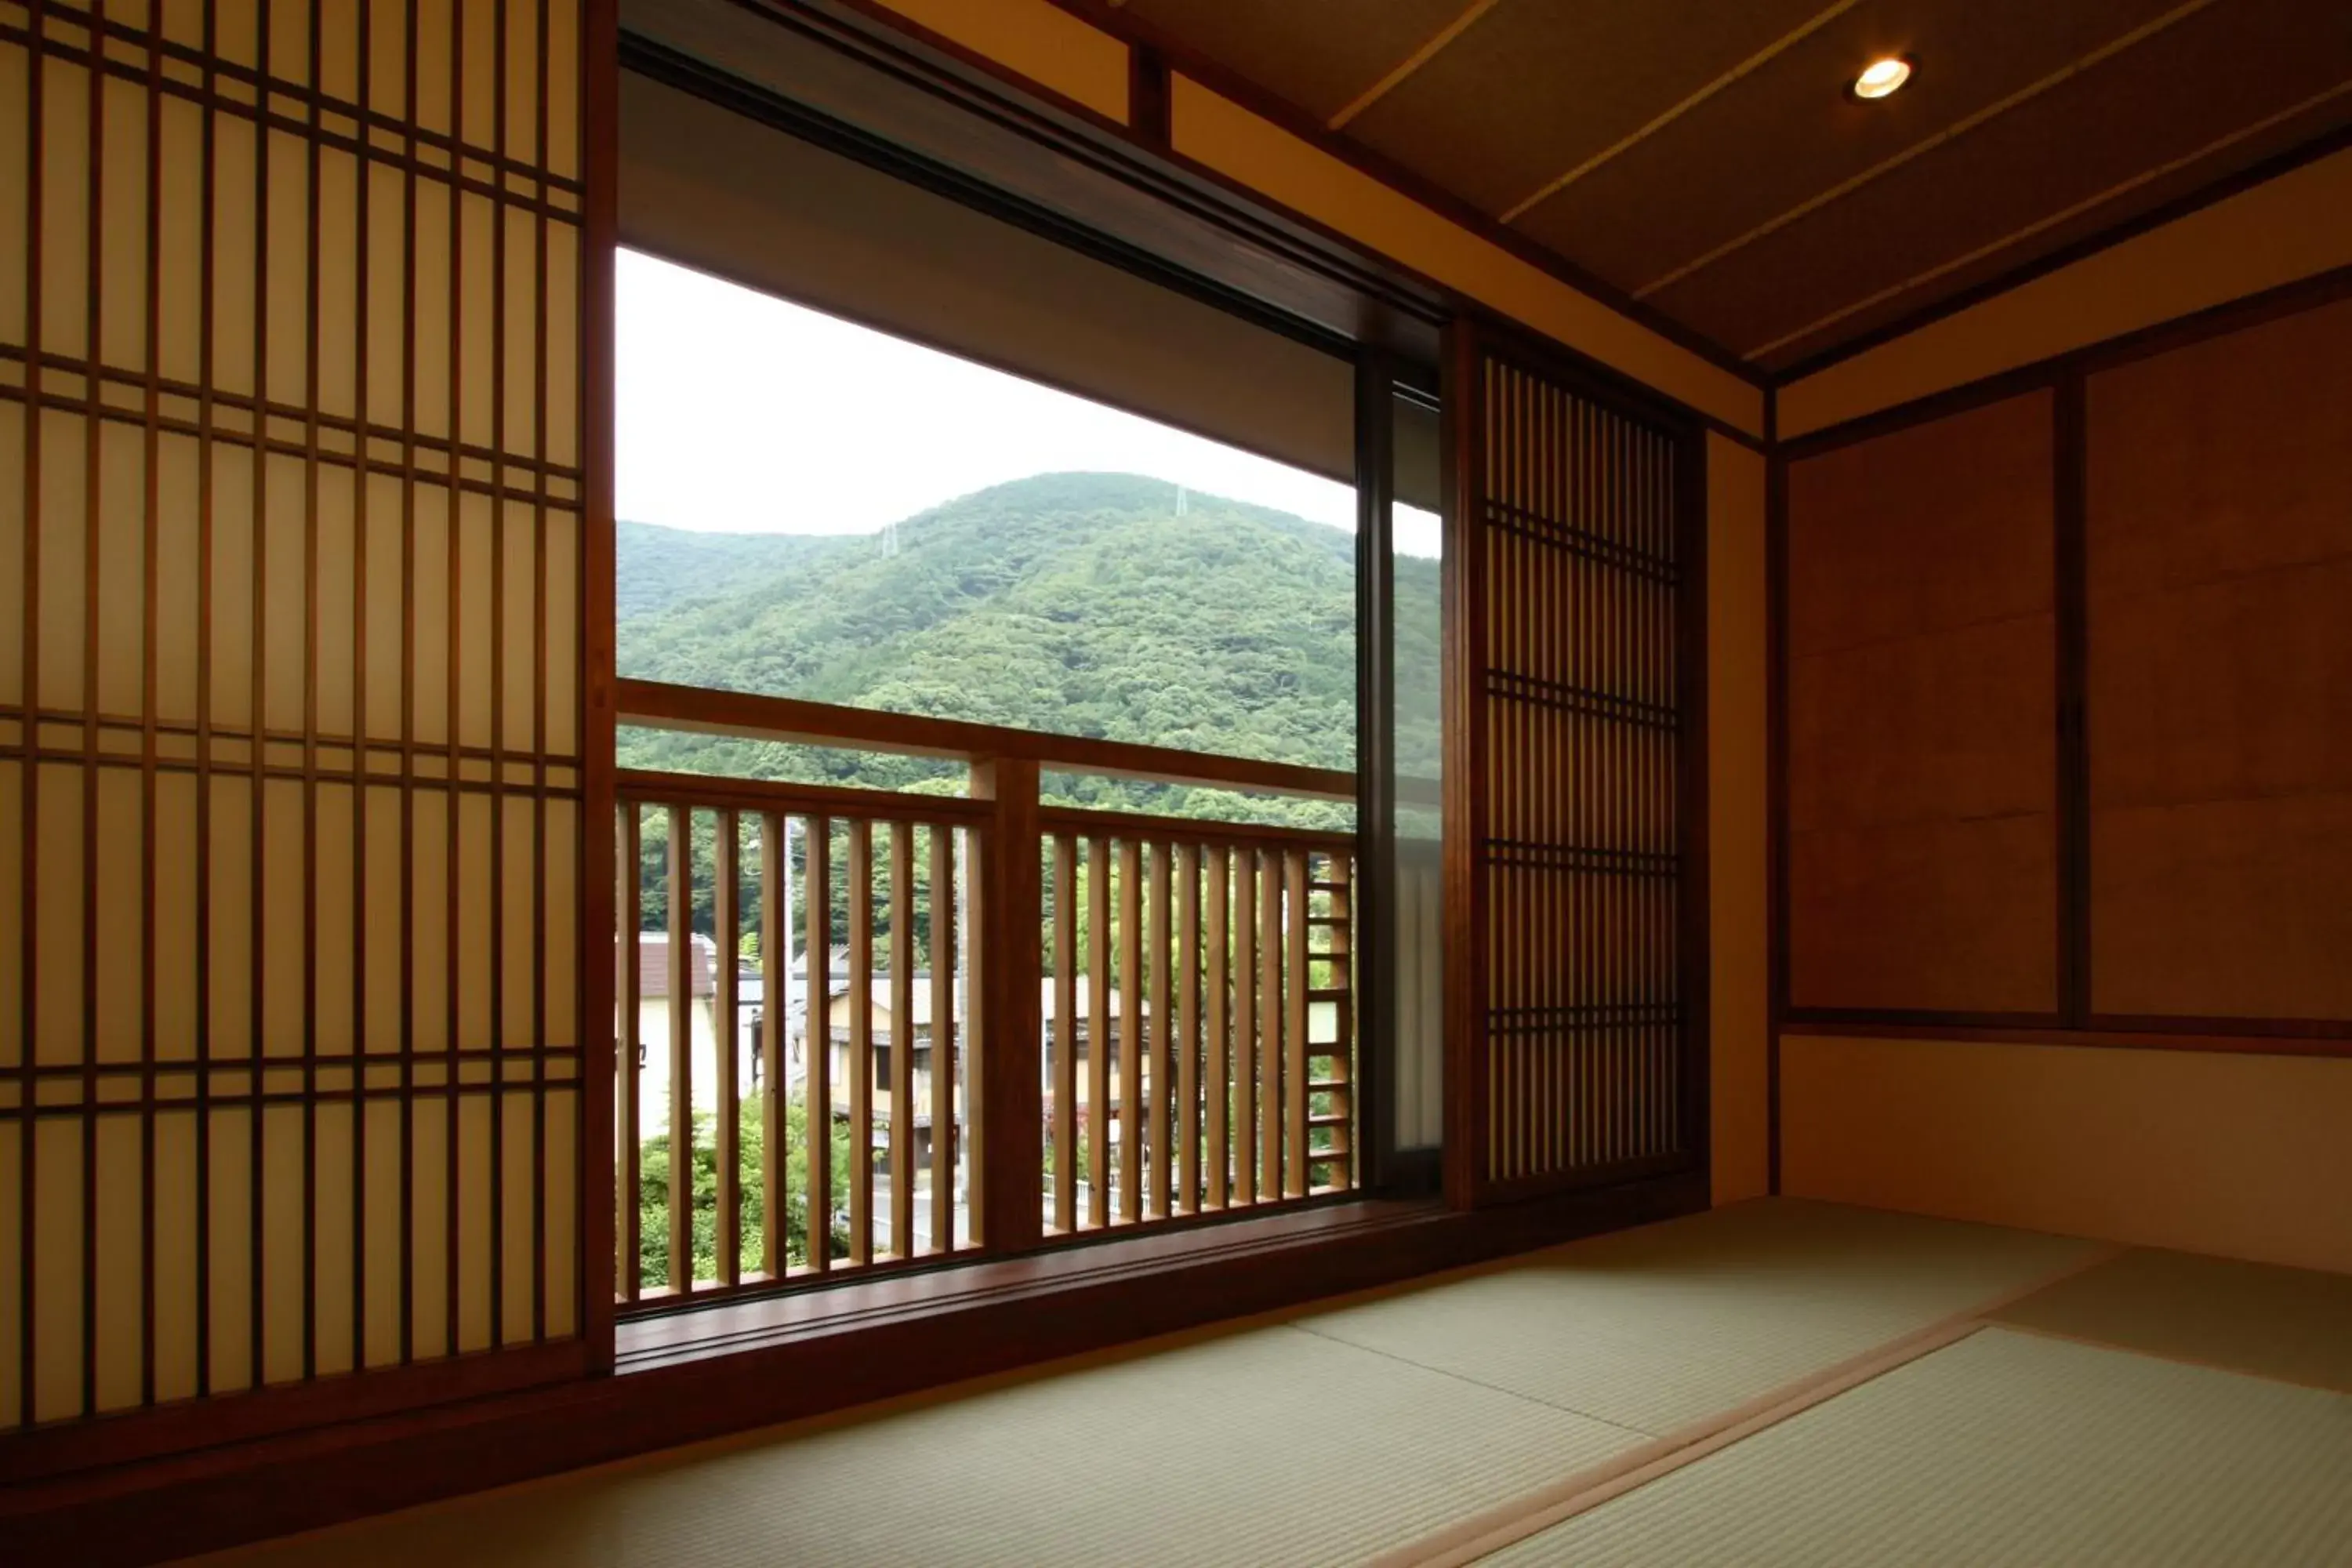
<point x="1081" y="603"/>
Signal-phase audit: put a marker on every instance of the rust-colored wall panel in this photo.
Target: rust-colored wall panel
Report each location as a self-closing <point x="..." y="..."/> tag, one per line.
<point x="2223" y="691"/>
<point x="1941" y="525"/>
<point x="2226" y="457"/>
<point x="1952" y="726"/>
<point x="2233" y="909"/>
<point x="2219" y="536"/>
<point x="1935" y="916"/>
<point x="1922" y="717"/>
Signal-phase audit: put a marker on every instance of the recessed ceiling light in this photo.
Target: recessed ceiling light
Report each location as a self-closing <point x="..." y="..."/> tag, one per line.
<point x="1881" y="77"/>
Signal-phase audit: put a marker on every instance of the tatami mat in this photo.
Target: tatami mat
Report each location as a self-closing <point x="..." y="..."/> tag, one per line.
<point x="2290" y="1323"/>
<point x="1267" y="1446"/>
<point x="1347" y="1433"/>
<point x="2004" y="1449"/>
<point x="1657" y="1328"/>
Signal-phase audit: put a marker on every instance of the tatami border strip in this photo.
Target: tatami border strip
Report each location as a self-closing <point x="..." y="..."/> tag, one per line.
<point x="1498" y="1527"/>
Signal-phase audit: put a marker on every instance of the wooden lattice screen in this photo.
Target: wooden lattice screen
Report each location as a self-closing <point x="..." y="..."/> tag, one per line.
<point x="1575" y="976"/>
<point x="290" y="727"/>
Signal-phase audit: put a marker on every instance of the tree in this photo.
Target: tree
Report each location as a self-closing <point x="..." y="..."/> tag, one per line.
<point x="653" y="1193"/>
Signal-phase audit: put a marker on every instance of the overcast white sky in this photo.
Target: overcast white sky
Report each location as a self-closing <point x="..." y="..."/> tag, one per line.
<point x="737" y="412"/>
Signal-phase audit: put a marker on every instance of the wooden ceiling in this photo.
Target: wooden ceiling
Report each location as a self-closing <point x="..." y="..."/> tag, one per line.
<point x="1703" y="158"/>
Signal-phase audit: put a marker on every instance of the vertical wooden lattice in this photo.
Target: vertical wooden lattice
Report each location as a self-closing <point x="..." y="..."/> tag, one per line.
<point x="1215" y="965"/>
<point x="289" y="722"/>
<point x="1576" y="1018"/>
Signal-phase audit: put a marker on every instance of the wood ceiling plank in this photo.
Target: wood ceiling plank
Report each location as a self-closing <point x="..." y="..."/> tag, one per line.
<point x="1318" y="55"/>
<point x="1787" y="134"/>
<point x="2031" y="127"/>
<point x="2181" y="94"/>
<point x="1413" y="62"/>
<point x="2258" y="153"/>
<point x="1537" y="87"/>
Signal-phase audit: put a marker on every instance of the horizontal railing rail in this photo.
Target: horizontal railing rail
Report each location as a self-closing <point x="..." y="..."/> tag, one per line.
<point x="657" y="705"/>
<point x="822" y="991"/>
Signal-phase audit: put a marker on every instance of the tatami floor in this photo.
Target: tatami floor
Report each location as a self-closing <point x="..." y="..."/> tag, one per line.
<point x="1773" y="1383"/>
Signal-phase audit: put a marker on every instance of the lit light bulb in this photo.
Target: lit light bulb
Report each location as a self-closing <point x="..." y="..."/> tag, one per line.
<point x="1881" y="77"/>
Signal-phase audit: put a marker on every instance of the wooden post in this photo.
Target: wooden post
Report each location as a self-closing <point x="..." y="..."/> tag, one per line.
<point x="1008" y="1155"/>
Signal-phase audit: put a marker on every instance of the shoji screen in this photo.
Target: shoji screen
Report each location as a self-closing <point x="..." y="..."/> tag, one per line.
<point x="290" y="558"/>
<point x="1576" y="950"/>
<point x="1921" y="732"/>
<point x="2219" y="555"/>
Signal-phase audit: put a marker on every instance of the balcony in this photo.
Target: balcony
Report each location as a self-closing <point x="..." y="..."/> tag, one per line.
<point x="1119" y="1023"/>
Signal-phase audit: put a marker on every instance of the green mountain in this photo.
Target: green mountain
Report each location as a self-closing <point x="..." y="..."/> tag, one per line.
<point x="655" y="568"/>
<point x="1081" y="603"/>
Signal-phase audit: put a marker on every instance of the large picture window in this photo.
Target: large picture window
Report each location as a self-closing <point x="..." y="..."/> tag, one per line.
<point x="812" y="508"/>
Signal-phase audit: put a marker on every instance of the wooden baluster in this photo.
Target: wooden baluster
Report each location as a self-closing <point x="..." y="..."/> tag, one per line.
<point x="1344" y="1172"/>
<point x="1217" y="1043"/>
<point x="725" y="1020"/>
<point x="1098" y="1037"/>
<point x="943" y="1038"/>
<point x="859" y="1068"/>
<point x="1158" y="1044"/>
<point x="680" y="890"/>
<point x="816" y="1042"/>
<point x="902" y="1039"/>
<point x="1130" y="1093"/>
<point x="775" y="983"/>
<point x="1272" y="1018"/>
<point x="1295" y="1090"/>
<point x="629" y="988"/>
<point x="1245" y="1071"/>
<point x="1184" y="1028"/>
<point x="1065" y="1032"/>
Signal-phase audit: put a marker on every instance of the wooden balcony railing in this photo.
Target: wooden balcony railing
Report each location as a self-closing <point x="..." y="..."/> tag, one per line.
<point x="855" y="1026"/>
<point x="828" y="1130"/>
<point x="1201" y="1050"/>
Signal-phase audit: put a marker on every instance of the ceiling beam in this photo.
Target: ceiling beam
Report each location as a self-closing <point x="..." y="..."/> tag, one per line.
<point x="1413" y="62"/>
